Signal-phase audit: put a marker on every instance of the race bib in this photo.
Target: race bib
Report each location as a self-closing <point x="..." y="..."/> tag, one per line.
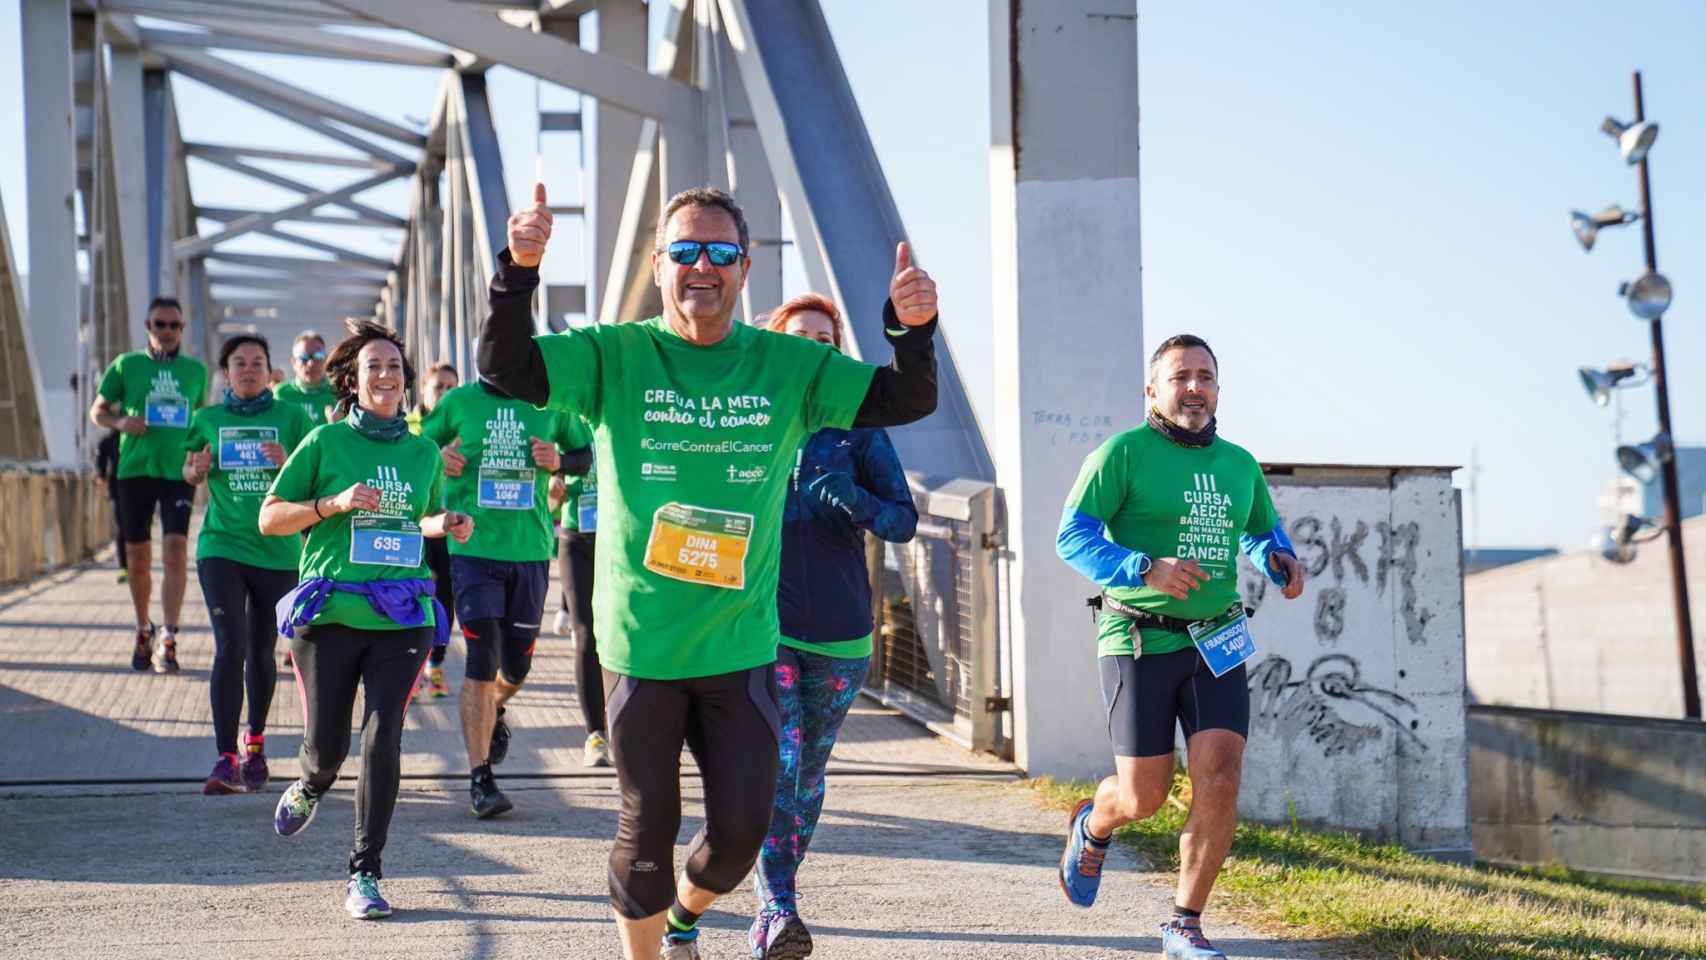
<point x="586" y="511"/>
<point x="503" y="489"/>
<point x="699" y="545"/>
<point x="166" y="410"/>
<point x="1225" y="641"/>
<point x="385" y="541"/>
<point x="240" y="447"/>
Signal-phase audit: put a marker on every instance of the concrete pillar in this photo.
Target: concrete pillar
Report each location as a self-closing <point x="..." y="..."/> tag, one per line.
<point x="1068" y="333"/>
<point x="127" y="141"/>
<point x="50" y="171"/>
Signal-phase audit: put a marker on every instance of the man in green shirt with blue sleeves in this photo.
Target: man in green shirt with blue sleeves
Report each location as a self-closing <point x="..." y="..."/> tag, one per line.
<point x="1157" y="518"/>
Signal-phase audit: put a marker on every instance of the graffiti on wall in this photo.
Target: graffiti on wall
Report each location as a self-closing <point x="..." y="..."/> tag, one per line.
<point x="1320" y="706"/>
<point x="1340" y="547"/>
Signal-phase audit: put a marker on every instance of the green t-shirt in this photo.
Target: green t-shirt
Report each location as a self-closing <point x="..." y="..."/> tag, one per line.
<point x="581" y="499"/>
<point x="164" y="393"/>
<point x="312" y="400"/>
<point x="501" y="488"/>
<point x="1167" y="500"/>
<point x="238" y="481"/>
<point x="694" y="445"/>
<point x="361" y="546"/>
<point x="839" y="650"/>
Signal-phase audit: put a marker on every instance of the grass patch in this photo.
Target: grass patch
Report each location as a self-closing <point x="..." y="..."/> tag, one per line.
<point x="1380" y="900"/>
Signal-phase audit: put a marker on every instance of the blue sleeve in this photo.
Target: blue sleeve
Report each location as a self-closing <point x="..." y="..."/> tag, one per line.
<point x="1259" y="548"/>
<point x="1081" y="544"/>
<point x="885" y="501"/>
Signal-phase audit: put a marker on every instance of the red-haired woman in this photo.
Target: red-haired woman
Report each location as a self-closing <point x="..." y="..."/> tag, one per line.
<point x="845" y="482"/>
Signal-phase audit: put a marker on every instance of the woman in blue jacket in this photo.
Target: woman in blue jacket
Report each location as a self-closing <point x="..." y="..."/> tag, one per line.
<point x="845" y="482"/>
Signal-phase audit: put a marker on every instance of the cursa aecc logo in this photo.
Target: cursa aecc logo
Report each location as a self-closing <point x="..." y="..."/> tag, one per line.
<point x="740" y="475"/>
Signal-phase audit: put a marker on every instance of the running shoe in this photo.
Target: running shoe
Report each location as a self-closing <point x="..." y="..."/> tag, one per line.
<point x="123" y="575"/>
<point x="560" y="625"/>
<point x="166" y="654"/>
<point x="596" y="751"/>
<point x="225" y="779"/>
<point x="488" y="800"/>
<point x="1081" y="864"/>
<point x="295" y="810"/>
<point x="1183" y="940"/>
<point x="439" y="689"/>
<point x="363" y="901"/>
<point x="500" y="741"/>
<point x="779" y="934"/>
<point x="677" y="949"/>
<point x="144" y="651"/>
<point x="254" y="770"/>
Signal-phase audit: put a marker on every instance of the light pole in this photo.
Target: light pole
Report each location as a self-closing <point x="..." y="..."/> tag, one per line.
<point x="1673" y="514"/>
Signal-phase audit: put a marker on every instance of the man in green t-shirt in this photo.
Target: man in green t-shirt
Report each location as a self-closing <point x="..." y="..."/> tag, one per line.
<point x="499" y="454"/>
<point x="1157" y="519"/>
<point x="697" y="419"/>
<point x="148" y="396"/>
<point x="309" y="390"/>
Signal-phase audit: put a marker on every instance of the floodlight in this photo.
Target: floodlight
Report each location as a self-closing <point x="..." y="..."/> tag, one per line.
<point x="1648" y="295"/>
<point x="1633" y="140"/>
<point x="1600" y="383"/>
<point x="1643" y="460"/>
<point x="1618" y="544"/>
<point x="1587" y="227"/>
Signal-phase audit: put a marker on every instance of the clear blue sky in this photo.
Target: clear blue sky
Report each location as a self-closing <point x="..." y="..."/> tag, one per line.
<point x="1365" y="213"/>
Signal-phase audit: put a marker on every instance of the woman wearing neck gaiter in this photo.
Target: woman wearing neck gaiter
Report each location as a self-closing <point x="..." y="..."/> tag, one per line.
<point x="236" y="448"/>
<point x="364" y="616"/>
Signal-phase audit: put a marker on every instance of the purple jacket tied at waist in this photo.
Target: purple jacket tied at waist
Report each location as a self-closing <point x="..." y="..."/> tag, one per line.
<point x="395" y="600"/>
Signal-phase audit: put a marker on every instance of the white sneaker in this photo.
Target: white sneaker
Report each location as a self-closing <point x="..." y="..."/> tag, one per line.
<point x="165" y="657"/>
<point x="596" y="751"/>
<point x="561" y="624"/>
<point x="679" y="949"/>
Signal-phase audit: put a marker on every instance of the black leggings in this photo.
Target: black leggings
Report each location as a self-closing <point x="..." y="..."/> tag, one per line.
<point x="574" y="569"/>
<point x="731" y="724"/>
<point x="118" y="525"/>
<point x="332" y="662"/>
<point x="240" y="601"/>
<point x="438" y="560"/>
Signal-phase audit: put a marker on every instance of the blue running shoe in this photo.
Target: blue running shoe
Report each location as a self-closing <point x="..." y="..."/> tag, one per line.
<point x="295" y="810"/>
<point x="1183" y="940"/>
<point x="778" y="933"/>
<point x="363" y="901"/>
<point x="676" y="948"/>
<point x="1081" y="864"/>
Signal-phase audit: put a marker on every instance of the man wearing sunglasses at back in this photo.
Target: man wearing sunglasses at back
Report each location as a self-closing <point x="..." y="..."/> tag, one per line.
<point x="148" y="396"/>
<point x="696" y="422"/>
<point x="310" y="389"/>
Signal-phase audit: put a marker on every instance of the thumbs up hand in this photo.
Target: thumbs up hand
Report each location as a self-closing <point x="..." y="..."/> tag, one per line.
<point x="911" y="290"/>
<point x="454" y="461"/>
<point x="530" y="230"/>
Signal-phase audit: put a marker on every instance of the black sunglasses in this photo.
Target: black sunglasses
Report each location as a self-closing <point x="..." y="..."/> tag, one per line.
<point x="721" y="253"/>
<point x="163" y="325"/>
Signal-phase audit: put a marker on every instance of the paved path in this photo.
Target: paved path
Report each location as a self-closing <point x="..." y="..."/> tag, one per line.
<point x="944" y="856"/>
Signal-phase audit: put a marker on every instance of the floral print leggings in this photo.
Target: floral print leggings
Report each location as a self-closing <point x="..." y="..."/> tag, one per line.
<point x="814" y="693"/>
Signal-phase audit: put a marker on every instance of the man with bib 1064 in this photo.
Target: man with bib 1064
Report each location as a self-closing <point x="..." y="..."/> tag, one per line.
<point x="1157" y="518"/>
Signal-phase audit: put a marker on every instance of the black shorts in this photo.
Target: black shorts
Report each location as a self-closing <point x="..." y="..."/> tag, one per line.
<point x="136" y="499"/>
<point x="1147" y="695"/>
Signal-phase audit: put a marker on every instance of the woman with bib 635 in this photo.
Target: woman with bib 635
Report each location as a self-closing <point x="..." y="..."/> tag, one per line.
<point x="364" y="616"/>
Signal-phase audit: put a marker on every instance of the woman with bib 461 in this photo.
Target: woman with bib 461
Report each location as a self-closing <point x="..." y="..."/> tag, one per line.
<point x="365" y="615"/>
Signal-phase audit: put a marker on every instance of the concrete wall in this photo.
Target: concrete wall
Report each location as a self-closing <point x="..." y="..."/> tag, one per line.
<point x="1574" y="632"/>
<point x="1357" y="689"/>
<point x="53" y="518"/>
<point x="1601" y="793"/>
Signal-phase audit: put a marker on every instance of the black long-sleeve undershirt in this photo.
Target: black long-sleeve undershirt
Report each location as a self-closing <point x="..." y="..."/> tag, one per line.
<point x="900" y="393"/>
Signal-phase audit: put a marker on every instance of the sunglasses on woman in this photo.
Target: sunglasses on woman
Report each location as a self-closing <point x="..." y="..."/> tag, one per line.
<point x="721" y="253"/>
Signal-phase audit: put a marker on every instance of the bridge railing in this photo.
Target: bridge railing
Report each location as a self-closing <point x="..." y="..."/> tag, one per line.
<point x="53" y="518"/>
<point x="937" y="653"/>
